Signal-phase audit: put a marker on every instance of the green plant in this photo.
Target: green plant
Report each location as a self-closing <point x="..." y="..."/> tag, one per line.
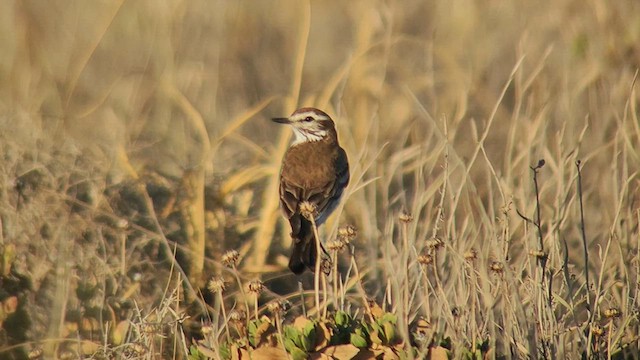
<point x="299" y="342"/>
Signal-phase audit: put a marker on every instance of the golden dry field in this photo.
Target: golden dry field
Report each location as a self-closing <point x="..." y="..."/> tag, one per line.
<point x="493" y="209"/>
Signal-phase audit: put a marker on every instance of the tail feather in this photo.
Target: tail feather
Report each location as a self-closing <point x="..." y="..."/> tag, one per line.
<point x="303" y="252"/>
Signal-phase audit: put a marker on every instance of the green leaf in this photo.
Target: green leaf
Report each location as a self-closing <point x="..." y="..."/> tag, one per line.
<point x="467" y="354"/>
<point x="389" y="317"/>
<point x="309" y="329"/>
<point x="446" y="343"/>
<point x="296" y="337"/>
<point x="195" y="354"/>
<point x="309" y="337"/>
<point x="253" y="330"/>
<point x="290" y="345"/>
<point x="252" y="327"/>
<point x="225" y="351"/>
<point x="376" y="334"/>
<point x="297" y="354"/>
<point x="375" y="337"/>
<point x="291" y="332"/>
<point x="362" y="331"/>
<point x="376" y="327"/>
<point x="478" y="354"/>
<point x="342" y="319"/>
<point x="389" y="332"/>
<point x="483" y="346"/>
<point x="358" y="340"/>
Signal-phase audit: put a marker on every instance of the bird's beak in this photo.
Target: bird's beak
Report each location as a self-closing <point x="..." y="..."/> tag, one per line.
<point x="281" y="120"/>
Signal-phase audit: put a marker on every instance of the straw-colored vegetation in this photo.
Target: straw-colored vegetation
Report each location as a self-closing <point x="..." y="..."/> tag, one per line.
<point x="139" y="209"/>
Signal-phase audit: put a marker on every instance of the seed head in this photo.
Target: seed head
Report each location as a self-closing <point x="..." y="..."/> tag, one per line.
<point x="538" y="254"/>
<point x="216" y="285"/>
<point x="67" y="355"/>
<point x="405" y="217"/>
<point x="230" y="258"/>
<point x="497" y="267"/>
<point x="335" y="245"/>
<point x="434" y="243"/>
<point x="134" y="350"/>
<point x="151" y="328"/>
<point x="256" y="286"/>
<point x="348" y="232"/>
<point x="325" y="265"/>
<point x="35" y="353"/>
<point x="206" y="329"/>
<point x="420" y="326"/>
<point x="455" y="311"/>
<point x="237" y="315"/>
<point x="279" y="306"/>
<point x="612" y="313"/>
<point x="122" y="223"/>
<point x="597" y="330"/>
<point x="308" y="210"/>
<point x="425" y="259"/>
<point x="345" y="235"/>
<point x="471" y="255"/>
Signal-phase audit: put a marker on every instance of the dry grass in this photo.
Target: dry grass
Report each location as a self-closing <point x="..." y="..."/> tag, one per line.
<point x="136" y="152"/>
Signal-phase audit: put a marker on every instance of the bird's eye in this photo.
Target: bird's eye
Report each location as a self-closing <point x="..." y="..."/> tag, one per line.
<point x="308" y="119"/>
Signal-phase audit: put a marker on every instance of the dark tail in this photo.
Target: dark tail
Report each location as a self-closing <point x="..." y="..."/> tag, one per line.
<point x="303" y="251"/>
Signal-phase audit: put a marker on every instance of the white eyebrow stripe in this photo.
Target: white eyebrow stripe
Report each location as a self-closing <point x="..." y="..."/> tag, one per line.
<point x="305" y="114"/>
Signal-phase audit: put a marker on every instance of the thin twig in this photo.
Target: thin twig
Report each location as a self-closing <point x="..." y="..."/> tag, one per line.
<point x="542" y="260"/>
<point x="584" y="238"/>
<point x="316" y="275"/>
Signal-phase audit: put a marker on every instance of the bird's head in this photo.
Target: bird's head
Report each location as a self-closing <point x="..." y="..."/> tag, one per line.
<point x="309" y="124"/>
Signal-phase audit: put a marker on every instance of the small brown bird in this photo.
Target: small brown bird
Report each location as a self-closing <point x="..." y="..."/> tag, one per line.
<point x="315" y="169"/>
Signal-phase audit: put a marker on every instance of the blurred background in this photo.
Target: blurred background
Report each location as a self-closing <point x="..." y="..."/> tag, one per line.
<point x="459" y="96"/>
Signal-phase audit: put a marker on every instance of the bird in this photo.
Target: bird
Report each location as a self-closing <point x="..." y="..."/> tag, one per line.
<point x="315" y="170"/>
